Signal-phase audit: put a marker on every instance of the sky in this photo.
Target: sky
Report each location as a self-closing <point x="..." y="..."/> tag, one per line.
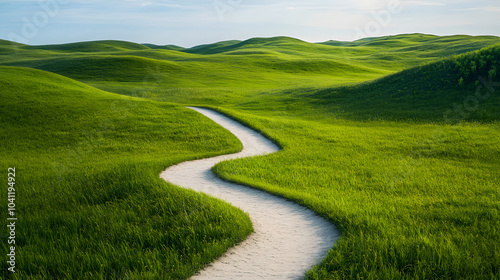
<point x="189" y="23"/>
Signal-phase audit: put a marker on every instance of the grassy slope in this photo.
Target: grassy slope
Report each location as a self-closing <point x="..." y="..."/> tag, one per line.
<point x="413" y="201"/>
<point x="166" y="47"/>
<point x="415" y="198"/>
<point x="89" y="199"/>
<point x="169" y="73"/>
<point x="228" y="71"/>
<point x="424" y="93"/>
<point x="93" y="46"/>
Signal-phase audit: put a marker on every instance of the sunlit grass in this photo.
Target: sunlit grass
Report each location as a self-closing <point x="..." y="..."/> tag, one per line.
<point x="90" y="201"/>
<point x="415" y="201"/>
<point x="415" y="196"/>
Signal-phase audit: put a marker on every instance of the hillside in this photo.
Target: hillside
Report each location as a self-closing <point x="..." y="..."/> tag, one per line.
<point x="233" y="70"/>
<point x="406" y="165"/>
<point x="166" y="47"/>
<point x="91" y="204"/>
<point x="9" y="48"/>
<point x="213" y="48"/>
<point x="426" y="92"/>
<point x="393" y="139"/>
<point x="93" y="46"/>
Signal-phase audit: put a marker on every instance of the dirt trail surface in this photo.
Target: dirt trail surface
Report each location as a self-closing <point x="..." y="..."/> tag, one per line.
<point x="288" y="239"/>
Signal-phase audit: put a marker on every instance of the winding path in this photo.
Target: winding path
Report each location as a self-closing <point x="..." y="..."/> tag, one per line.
<point x="288" y="239"/>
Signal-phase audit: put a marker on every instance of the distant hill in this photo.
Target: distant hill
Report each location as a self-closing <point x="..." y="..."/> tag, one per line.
<point x="257" y="45"/>
<point x="232" y="69"/>
<point x="166" y="47"/>
<point x="274" y="41"/>
<point x="93" y="46"/>
<point x="427" y="92"/>
<point x="102" y="67"/>
<point x="214" y="48"/>
<point x="8" y="47"/>
<point x="427" y="44"/>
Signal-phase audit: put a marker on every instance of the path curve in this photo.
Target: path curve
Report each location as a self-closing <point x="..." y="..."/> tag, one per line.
<point x="288" y="239"/>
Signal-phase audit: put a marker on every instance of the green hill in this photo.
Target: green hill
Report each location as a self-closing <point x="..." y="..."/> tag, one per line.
<point x="426" y="92"/>
<point x="102" y="67"/>
<point x="166" y="47"/>
<point x="405" y="165"/>
<point x="213" y="48"/>
<point x="90" y="202"/>
<point x="370" y="134"/>
<point x="231" y="70"/>
<point x="93" y="46"/>
<point x="417" y="47"/>
<point x="9" y="48"/>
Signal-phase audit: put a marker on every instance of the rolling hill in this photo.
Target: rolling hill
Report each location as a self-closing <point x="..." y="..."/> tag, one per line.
<point x="366" y="144"/>
<point x="90" y="202"/>
<point x="405" y="165"/>
<point x="94" y="46"/>
<point x="426" y="92"/>
<point x="231" y="70"/>
<point x="166" y="47"/>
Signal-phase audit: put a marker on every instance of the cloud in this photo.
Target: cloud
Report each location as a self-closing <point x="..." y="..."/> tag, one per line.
<point x="424" y="3"/>
<point x="370" y="4"/>
<point x="481" y="9"/>
<point x="191" y="22"/>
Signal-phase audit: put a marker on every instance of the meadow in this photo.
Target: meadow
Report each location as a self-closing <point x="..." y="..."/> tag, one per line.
<point x="372" y="140"/>
<point x="89" y="200"/>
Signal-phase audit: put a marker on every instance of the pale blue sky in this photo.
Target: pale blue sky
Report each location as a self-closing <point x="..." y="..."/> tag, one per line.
<point x="192" y="22"/>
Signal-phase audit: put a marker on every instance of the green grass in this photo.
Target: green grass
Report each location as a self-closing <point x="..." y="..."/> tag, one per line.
<point x="413" y="201"/>
<point x="89" y="199"/>
<point x="425" y="93"/>
<point x="366" y="144"/>
<point x="416" y="197"/>
<point x="93" y="46"/>
<point x="231" y="71"/>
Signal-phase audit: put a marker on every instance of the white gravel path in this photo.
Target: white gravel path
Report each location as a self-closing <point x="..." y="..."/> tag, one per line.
<point x="288" y="239"/>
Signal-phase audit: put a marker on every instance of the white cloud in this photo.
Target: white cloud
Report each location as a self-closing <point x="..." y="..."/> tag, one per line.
<point x="370" y="4"/>
<point x="190" y="22"/>
<point x="424" y="3"/>
<point x="482" y="9"/>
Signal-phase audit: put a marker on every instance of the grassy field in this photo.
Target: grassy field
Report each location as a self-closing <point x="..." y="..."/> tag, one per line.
<point x="416" y="201"/>
<point x="415" y="194"/>
<point x="386" y="137"/>
<point x="89" y="199"/>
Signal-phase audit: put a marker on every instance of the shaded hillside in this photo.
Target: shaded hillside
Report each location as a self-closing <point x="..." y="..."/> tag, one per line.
<point x="426" y="92"/>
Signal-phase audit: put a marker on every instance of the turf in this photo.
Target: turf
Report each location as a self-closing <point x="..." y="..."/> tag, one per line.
<point x="369" y="141"/>
<point x="413" y="201"/>
<point x="415" y="194"/>
<point x="89" y="199"/>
